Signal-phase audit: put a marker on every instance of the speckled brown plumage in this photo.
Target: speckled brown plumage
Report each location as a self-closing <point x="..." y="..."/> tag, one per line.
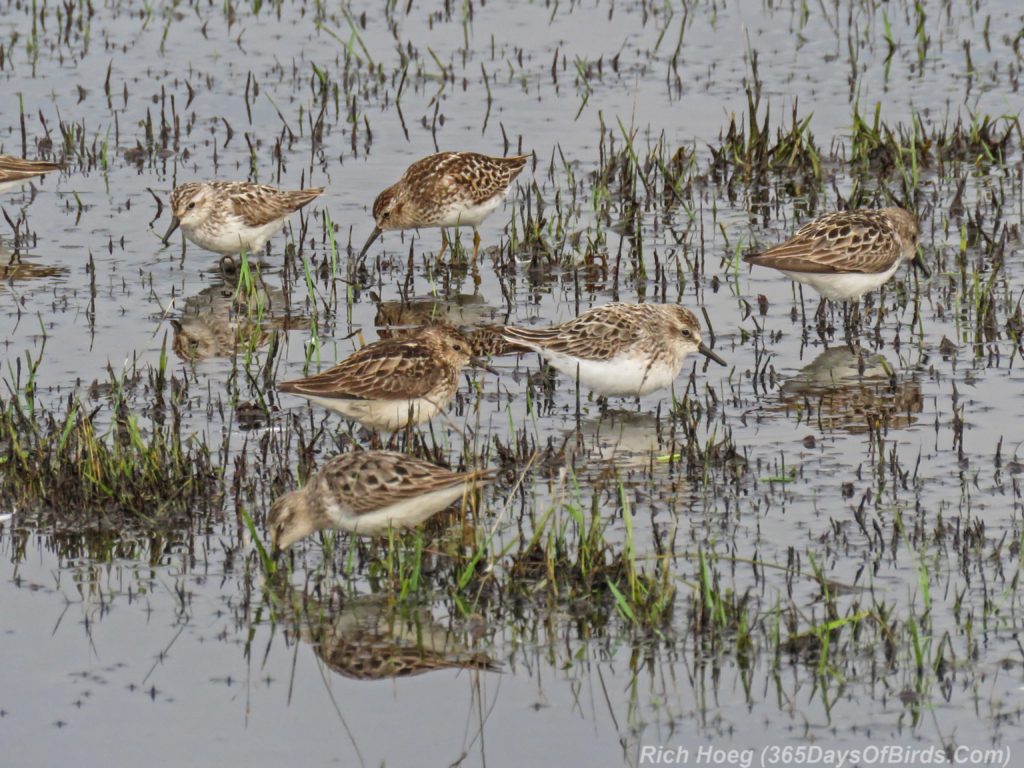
<point x="602" y="333"/>
<point x="254" y="204"/>
<point x="228" y="217"/>
<point x="15" y="170"/>
<point x="366" y="481"/>
<point x="619" y="349"/>
<point x="430" y="187"/>
<point x="846" y="254"/>
<point x="370" y="652"/>
<point x="393" y="382"/>
<point x="421" y="364"/>
<point x="219" y="321"/>
<point x="865" y="241"/>
<point x="490" y="341"/>
<point x="367" y="492"/>
<point x="367" y="637"/>
<point x="449" y="189"/>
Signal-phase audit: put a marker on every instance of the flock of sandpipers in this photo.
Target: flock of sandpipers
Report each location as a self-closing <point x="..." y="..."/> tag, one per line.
<point x="616" y="349"/>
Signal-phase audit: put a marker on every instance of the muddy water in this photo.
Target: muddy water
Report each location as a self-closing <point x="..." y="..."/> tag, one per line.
<point x="894" y="471"/>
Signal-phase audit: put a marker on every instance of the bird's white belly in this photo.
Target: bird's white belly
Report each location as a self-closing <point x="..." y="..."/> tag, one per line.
<point x="470" y="215"/>
<point x="232" y="236"/>
<point x="843" y="286"/>
<point x="625" y="375"/>
<point x="407" y="513"/>
<point x="384" y="415"/>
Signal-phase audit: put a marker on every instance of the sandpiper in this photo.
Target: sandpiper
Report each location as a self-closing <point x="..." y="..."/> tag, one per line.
<point x="368" y="493"/>
<point x="228" y="217"/>
<point x="15" y="171"/>
<point x="845" y="254"/>
<point x="619" y="349"/>
<point x="449" y="189"/>
<point x="394" y="382"/>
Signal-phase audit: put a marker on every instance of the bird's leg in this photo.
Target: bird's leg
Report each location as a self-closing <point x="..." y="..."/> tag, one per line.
<point x="399" y="439"/>
<point x="475" y="271"/>
<point x="444" y="243"/>
<point x="856" y="320"/>
<point x="375" y="440"/>
<point x="476" y="243"/>
<point x="819" y="317"/>
<point x="851" y="317"/>
<point x="452" y="422"/>
<point x="229" y="266"/>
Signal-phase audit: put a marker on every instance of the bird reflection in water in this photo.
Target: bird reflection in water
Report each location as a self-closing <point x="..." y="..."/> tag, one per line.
<point x="369" y="638"/>
<point x="458" y="310"/>
<point x="853" y="391"/>
<point x="14" y="269"/>
<point x="220" y="321"/>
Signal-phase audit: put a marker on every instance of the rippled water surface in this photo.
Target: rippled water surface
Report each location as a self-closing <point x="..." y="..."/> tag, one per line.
<point x="818" y="544"/>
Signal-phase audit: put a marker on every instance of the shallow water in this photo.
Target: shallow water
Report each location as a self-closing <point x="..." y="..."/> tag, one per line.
<point x="141" y="638"/>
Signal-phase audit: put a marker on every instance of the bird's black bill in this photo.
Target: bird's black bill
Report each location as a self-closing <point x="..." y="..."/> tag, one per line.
<point x="705" y="350"/>
<point x="170" y="230"/>
<point x="920" y="266"/>
<point x="479" y="362"/>
<point x="373" y="236"/>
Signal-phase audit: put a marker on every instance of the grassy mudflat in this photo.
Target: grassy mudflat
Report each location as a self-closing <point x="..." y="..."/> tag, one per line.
<point x="817" y="545"/>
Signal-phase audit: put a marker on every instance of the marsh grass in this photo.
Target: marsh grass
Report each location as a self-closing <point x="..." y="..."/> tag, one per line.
<point x="101" y="463"/>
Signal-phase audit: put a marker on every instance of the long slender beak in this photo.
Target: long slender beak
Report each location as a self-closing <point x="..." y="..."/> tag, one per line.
<point x="373" y="236"/>
<point x="275" y="541"/>
<point x="479" y="362"/>
<point x="170" y="230"/>
<point x="920" y="266"/>
<point x="707" y="351"/>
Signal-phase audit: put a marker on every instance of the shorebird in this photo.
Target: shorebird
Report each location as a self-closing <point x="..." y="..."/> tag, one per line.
<point x="368" y="493"/>
<point x="619" y="349"/>
<point x="228" y="217"/>
<point x="394" y="382"/>
<point x="845" y="254"/>
<point x="15" y="171"/>
<point x="449" y="189"/>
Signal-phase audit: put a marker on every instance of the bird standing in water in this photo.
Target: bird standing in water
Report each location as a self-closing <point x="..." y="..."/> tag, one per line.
<point x="449" y="189"/>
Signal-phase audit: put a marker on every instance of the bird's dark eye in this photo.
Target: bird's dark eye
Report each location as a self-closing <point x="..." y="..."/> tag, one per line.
<point x="192" y="205"/>
<point x="687" y="333"/>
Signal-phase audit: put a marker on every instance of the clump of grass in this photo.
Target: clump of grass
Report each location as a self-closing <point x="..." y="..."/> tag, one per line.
<point x="90" y="464"/>
<point x="882" y="147"/>
<point x="748" y="153"/>
<point x="570" y="560"/>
